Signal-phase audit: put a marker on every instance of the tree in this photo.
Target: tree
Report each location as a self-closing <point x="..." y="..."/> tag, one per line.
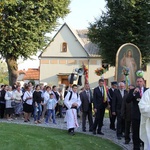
<point x="23" y="26"/>
<point x="125" y="21"/>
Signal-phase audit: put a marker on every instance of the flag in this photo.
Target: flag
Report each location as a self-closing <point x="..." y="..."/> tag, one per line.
<point x="105" y="92"/>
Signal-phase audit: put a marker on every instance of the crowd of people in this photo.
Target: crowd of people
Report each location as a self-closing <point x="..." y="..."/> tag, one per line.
<point x="124" y="108"/>
<point x="44" y="103"/>
<point x="39" y="101"/>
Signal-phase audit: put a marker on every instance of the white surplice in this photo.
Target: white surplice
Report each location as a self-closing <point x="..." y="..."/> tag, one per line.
<point x="71" y="113"/>
<point x="144" y="106"/>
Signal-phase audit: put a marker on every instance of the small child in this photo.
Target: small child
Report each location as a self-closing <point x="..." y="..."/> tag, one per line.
<point x="51" y="104"/>
<point x="61" y="101"/>
<point x="61" y="105"/>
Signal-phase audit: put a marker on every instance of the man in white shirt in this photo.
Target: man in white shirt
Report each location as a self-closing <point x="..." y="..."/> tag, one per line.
<point x="72" y="102"/>
<point x="86" y="107"/>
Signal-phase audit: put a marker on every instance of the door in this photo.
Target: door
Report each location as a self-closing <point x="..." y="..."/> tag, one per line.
<point x="64" y="81"/>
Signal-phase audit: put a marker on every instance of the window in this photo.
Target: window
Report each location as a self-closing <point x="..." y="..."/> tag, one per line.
<point x="64" y="47"/>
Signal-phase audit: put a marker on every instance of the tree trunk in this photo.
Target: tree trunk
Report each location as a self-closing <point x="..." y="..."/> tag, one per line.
<point x="12" y="69"/>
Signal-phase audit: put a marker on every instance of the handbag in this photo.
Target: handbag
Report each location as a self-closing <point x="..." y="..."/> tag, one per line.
<point x="13" y="103"/>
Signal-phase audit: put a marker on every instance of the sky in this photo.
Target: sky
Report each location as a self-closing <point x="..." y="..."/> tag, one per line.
<point x="82" y="12"/>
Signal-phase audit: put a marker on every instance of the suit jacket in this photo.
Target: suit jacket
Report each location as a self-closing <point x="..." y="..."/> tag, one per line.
<point x="110" y="95"/>
<point x="135" y="112"/>
<point x="2" y="95"/>
<point x="117" y="101"/>
<point x="98" y="99"/>
<point x="65" y="93"/>
<point x="85" y="104"/>
<point x="126" y="109"/>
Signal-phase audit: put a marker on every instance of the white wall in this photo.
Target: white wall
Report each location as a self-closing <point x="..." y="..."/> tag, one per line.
<point x="49" y="72"/>
<point x="147" y="76"/>
<point x="74" y="47"/>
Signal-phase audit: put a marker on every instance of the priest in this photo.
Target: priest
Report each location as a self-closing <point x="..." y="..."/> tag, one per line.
<point x="144" y="106"/>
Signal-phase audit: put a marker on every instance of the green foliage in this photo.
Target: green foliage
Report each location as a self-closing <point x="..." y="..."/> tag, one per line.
<point x="24" y="24"/>
<point x="125" y="21"/>
<point x="33" y="82"/>
<point x="3" y="73"/>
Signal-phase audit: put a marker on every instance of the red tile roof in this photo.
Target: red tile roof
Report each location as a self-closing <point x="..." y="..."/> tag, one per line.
<point x="30" y="74"/>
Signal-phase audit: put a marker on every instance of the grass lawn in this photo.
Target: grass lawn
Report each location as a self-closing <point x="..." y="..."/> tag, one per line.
<point x="26" y="137"/>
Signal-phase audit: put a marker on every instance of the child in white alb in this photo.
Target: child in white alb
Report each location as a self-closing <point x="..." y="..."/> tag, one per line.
<point x="51" y="104"/>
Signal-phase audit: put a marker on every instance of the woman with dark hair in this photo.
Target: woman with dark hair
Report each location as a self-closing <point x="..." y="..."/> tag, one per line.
<point x="37" y="100"/>
<point x="2" y="101"/>
<point x="27" y="107"/>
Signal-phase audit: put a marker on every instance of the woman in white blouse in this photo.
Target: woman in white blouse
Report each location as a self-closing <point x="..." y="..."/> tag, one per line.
<point x="27" y="107"/>
<point x="46" y="96"/>
<point x="9" y="97"/>
<point x="18" y="101"/>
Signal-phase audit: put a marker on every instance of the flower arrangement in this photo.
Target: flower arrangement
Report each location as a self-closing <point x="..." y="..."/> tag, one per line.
<point x="85" y="72"/>
<point x="100" y="71"/>
<point x="125" y="71"/>
<point x="85" y="68"/>
<point x="140" y="73"/>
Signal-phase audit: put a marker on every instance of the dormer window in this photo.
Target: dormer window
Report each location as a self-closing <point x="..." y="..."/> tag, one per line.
<point x="64" y="47"/>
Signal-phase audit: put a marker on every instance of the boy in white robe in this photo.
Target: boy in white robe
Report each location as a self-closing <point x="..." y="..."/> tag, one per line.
<point x="144" y="106"/>
<point x="72" y="102"/>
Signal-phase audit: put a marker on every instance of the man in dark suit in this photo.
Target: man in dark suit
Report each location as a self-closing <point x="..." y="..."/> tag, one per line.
<point x="126" y="114"/>
<point x="134" y="97"/>
<point x="116" y="107"/>
<point x="86" y="107"/>
<point x="110" y="94"/>
<point x="99" y="107"/>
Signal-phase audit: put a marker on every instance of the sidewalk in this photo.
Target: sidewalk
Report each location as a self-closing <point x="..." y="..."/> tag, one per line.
<point x="109" y="134"/>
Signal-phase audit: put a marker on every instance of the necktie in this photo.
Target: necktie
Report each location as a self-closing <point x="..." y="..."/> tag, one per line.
<point x="88" y="95"/>
<point x="122" y="93"/>
<point x="101" y="90"/>
<point x="141" y="92"/>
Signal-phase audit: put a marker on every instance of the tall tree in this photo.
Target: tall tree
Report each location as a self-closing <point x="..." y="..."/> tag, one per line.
<point x="23" y="25"/>
<point x="124" y="21"/>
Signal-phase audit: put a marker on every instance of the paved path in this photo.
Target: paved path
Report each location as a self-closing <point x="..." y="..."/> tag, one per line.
<point x="109" y="134"/>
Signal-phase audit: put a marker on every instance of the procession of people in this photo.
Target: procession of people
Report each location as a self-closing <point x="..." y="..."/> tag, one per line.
<point x="44" y="103"/>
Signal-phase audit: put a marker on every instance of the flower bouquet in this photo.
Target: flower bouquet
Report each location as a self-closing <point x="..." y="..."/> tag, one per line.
<point x="100" y="71"/>
<point x="85" y="72"/>
<point x="140" y="73"/>
<point x="125" y="71"/>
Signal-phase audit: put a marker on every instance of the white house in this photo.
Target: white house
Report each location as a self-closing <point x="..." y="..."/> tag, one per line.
<point x="68" y="50"/>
